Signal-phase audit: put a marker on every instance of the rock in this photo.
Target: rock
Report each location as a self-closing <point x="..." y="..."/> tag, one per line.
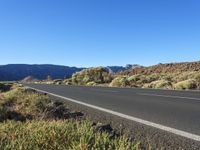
<point x="102" y="128"/>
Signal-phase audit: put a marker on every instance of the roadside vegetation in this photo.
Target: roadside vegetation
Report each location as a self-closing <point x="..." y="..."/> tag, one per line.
<point x="30" y="120"/>
<point x="178" y="76"/>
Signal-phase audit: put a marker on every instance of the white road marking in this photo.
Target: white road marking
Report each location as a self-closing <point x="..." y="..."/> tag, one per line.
<point x="157" y="95"/>
<point x="145" y="122"/>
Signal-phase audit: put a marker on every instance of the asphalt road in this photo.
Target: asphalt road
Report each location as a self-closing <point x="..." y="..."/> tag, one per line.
<point x="175" y="109"/>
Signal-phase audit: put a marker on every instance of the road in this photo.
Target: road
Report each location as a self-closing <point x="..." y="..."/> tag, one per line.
<point x="174" y="111"/>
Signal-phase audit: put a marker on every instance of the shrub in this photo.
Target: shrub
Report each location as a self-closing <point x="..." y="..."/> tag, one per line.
<point x="160" y="84"/>
<point x="197" y="79"/>
<point x="137" y="80"/>
<point x="134" y="78"/>
<point x="68" y="81"/>
<point x="91" y="83"/>
<point x="186" y="76"/>
<point x="152" y="77"/>
<point x="187" y="84"/>
<point x="57" y="81"/>
<point x="5" y="87"/>
<point x="167" y="77"/>
<point x="24" y="102"/>
<point x="98" y="75"/>
<point x="120" y="82"/>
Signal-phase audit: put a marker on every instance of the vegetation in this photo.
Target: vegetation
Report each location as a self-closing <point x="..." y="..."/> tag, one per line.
<point x="120" y="81"/>
<point x="98" y="75"/>
<point x="5" y="87"/>
<point x="51" y="135"/>
<point x="187" y="84"/>
<point x="159" y="84"/>
<point x="29" y="120"/>
<point x="162" y="76"/>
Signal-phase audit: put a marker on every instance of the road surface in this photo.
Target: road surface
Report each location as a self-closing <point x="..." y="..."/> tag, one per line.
<point x="174" y="111"/>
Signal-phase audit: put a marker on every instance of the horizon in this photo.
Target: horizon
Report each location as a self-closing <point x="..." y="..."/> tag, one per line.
<point x="104" y="66"/>
<point x="99" y="33"/>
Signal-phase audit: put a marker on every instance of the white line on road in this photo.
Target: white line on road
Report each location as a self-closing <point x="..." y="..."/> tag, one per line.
<point x="145" y="122"/>
<point x="157" y="95"/>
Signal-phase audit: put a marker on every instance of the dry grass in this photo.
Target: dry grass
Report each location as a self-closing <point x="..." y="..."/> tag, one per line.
<point x="29" y="120"/>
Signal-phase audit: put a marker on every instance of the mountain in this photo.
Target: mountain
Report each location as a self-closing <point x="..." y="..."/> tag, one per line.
<point x="13" y="72"/>
<point x="117" y="69"/>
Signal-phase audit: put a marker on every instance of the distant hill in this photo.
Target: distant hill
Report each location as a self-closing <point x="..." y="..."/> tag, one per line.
<point x="20" y="71"/>
<point x="13" y="72"/>
<point x="117" y="69"/>
<point x="164" y="68"/>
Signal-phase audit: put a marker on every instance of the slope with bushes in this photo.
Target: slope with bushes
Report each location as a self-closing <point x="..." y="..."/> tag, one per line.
<point x="179" y="76"/>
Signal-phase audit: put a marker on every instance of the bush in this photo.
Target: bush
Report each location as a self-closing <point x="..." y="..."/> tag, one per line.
<point x="23" y="102"/>
<point x="68" y="81"/>
<point x="167" y="77"/>
<point x="98" y="75"/>
<point x="91" y="83"/>
<point x="187" y="84"/>
<point x="119" y="82"/>
<point x="160" y="84"/>
<point x="197" y="79"/>
<point x="5" y="87"/>
<point x="152" y="77"/>
<point x="137" y="80"/>
<point x="186" y="76"/>
<point x="57" y="81"/>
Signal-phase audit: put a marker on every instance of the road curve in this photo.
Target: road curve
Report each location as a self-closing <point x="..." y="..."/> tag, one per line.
<point x="178" y="111"/>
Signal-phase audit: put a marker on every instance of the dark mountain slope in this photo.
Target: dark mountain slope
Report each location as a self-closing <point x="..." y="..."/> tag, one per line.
<point x="19" y="71"/>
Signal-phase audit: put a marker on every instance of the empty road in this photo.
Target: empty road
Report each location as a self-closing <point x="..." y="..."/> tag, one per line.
<point x="174" y="111"/>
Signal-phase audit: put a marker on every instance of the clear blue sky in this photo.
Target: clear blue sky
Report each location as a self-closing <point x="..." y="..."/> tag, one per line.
<point x="99" y="32"/>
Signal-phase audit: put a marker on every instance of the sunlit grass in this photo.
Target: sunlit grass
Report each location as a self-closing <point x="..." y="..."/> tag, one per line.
<point x="19" y="131"/>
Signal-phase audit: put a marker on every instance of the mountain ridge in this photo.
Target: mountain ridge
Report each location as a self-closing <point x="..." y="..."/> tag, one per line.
<point x="11" y="72"/>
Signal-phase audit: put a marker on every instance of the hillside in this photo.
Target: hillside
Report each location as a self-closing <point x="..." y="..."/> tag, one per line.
<point x="164" y="68"/>
<point x="179" y="76"/>
<point x="20" y="71"/>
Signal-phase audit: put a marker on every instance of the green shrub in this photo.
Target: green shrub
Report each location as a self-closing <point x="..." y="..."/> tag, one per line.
<point x="137" y="80"/>
<point x="160" y="84"/>
<point x="167" y="77"/>
<point x="67" y="81"/>
<point x="119" y="82"/>
<point x="197" y="79"/>
<point x="186" y="76"/>
<point x="134" y="78"/>
<point x="152" y="77"/>
<point x="57" y="81"/>
<point x="187" y="84"/>
<point x="98" y="75"/>
<point x="24" y="103"/>
<point x="91" y="83"/>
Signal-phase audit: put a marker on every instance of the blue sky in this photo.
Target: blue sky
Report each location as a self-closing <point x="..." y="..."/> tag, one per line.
<point x="99" y="32"/>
